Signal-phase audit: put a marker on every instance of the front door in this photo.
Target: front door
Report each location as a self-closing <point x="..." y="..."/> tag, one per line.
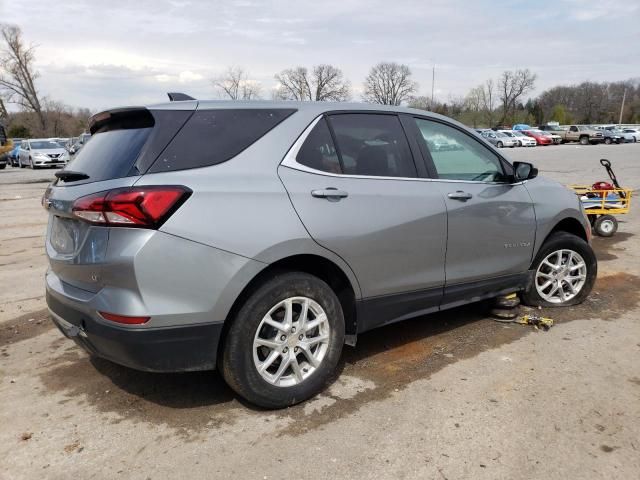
<point x="491" y="220"/>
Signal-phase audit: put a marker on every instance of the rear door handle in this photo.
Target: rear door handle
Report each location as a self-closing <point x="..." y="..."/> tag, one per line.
<point x="460" y="195"/>
<point x="330" y="193"/>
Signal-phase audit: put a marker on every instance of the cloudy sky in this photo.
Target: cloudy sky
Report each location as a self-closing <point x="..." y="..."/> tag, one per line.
<point x="102" y="54"/>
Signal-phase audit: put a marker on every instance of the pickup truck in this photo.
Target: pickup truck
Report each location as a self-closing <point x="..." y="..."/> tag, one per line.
<point x="576" y="133"/>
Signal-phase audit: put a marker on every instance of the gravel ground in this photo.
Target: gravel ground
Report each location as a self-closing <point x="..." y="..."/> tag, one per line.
<point x="452" y="395"/>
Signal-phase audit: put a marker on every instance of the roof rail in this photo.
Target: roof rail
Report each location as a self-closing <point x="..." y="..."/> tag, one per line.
<point x="179" y="97"/>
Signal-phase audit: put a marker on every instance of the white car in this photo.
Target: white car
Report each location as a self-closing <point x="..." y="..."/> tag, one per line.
<point x="499" y="139"/>
<point x="635" y="132"/>
<point x="521" y="139"/>
<point x="38" y="153"/>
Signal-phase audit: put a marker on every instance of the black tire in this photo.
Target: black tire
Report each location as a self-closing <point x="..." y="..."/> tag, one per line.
<point x="584" y="140"/>
<point x="3" y="166"/>
<point x="499" y="145"/>
<point x="519" y="143"/>
<point x="607" y="141"/>
<point x="605" y="225"/>
<point x="560" y="241"/>
<point x="238" y="368"/>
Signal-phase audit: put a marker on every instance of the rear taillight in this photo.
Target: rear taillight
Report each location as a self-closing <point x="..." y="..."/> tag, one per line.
<point x="144" y="207"/>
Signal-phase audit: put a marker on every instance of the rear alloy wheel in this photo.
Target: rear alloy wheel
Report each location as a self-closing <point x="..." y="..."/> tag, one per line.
<point x="284" y="344"/>
<point x="584" y="140"/>
<point x="606" y="225"/>
<point x="607" y="141"/>
<point x="499" y="145"/>
<point x="564" y="272"/>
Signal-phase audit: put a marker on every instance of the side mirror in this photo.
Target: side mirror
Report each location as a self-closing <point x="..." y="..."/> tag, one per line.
<point x="524" y="171"/>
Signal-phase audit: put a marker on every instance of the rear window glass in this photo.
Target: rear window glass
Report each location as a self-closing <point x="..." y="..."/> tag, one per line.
<point x="110" y="154"/>
<point x="211" y="137"/>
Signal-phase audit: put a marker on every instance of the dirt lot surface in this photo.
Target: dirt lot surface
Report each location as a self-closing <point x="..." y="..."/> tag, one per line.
<point x="448" y="396"/>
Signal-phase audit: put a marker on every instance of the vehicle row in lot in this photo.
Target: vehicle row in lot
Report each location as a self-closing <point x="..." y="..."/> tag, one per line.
<point x="555" y="135"/>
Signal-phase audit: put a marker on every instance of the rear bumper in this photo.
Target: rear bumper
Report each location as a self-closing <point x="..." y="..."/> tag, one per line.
<point x="163" y="349"/>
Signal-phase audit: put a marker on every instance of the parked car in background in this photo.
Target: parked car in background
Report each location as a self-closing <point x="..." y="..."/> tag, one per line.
<point x="610" y="136"/>
<point x="37" y="153"/>
<point x="498" y="139"/>
<point x="511" y="135"/>
<point x="15" y="153"/>
<point x="79" y="143"/>
<point x="635" y="132"/>
<point x="626" y="137"/>
<point x="523" y="139"/>
<point x="584" y="134"/>
<point x="521" y="126"/>
<point x="539" y="136"/>
<point x="204" y="280"/>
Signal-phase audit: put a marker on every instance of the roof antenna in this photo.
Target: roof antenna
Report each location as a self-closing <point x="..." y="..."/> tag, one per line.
<point x="179" y="97"/>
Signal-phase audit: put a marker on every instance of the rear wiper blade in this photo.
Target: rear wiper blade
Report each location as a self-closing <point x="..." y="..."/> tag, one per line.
<point x="71" y="176"/>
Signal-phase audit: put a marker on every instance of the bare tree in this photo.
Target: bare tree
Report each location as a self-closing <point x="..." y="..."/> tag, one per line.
<point x="389" y="83"/>
<point x="324" y="83"/>
<point x="488" y="99"/>
<point x="330" y="84"/>
<point x="473" y="104"/>
<point x="235" y="84"/>
<point x="17" y="72"/>
<point x="513" y="85"/>
<point x="421" y="102"/>
<point x="3" y="109"/>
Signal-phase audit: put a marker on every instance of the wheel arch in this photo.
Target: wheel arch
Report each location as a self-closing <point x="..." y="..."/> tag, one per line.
<point x="567" y="224"/>
<point x="572" y="226"/>
<point x="313" y="264"/>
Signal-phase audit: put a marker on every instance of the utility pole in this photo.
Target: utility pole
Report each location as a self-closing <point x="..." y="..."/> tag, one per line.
<point x="624" y="96"/>
<point x="433" y="83"/>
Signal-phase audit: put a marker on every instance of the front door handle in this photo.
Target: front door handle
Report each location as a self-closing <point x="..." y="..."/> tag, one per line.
<point x="460" y="195"/>
<point x="330" y="193"/>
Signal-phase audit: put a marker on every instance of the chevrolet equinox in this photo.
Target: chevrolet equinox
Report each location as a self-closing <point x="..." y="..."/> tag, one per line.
<point x="260" y="237"/>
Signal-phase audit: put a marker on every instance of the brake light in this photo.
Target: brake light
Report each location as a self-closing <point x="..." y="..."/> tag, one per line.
<point x="145" y="207"/>
<point x="112" y="317"/>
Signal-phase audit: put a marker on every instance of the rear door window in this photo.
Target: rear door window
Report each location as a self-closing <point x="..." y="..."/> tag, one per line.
<point x="318" y="151"/>
<point x="372" y="145"/>
<point x="214" y="136"/>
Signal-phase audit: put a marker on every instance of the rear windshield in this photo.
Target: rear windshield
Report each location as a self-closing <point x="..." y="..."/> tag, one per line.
<point x="211" y="137"/>
<point x="110" y="154"/>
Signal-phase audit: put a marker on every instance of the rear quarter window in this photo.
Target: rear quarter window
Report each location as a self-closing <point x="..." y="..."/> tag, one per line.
<point x="214" y="136"/>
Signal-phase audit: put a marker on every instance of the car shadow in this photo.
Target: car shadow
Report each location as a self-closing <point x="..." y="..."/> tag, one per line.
<point x="191" y="390"/>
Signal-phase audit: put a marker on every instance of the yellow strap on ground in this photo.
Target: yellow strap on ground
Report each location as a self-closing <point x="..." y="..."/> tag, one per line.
<point x="536" y="321"/>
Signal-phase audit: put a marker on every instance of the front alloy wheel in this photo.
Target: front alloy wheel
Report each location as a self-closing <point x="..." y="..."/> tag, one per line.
<point x="291" y="341"/>
<point x="563" y="272"/>
<point x="561" y="276"/>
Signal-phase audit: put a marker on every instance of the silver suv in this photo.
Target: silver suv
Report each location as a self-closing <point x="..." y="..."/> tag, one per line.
<point x="261" y="237"/>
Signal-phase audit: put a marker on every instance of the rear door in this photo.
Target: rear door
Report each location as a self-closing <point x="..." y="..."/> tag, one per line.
<point x="354" y="183"/>
<point x="491" y="221"/>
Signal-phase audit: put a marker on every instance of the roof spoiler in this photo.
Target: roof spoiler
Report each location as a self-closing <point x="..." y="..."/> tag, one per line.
<point x="179" y="97"/>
